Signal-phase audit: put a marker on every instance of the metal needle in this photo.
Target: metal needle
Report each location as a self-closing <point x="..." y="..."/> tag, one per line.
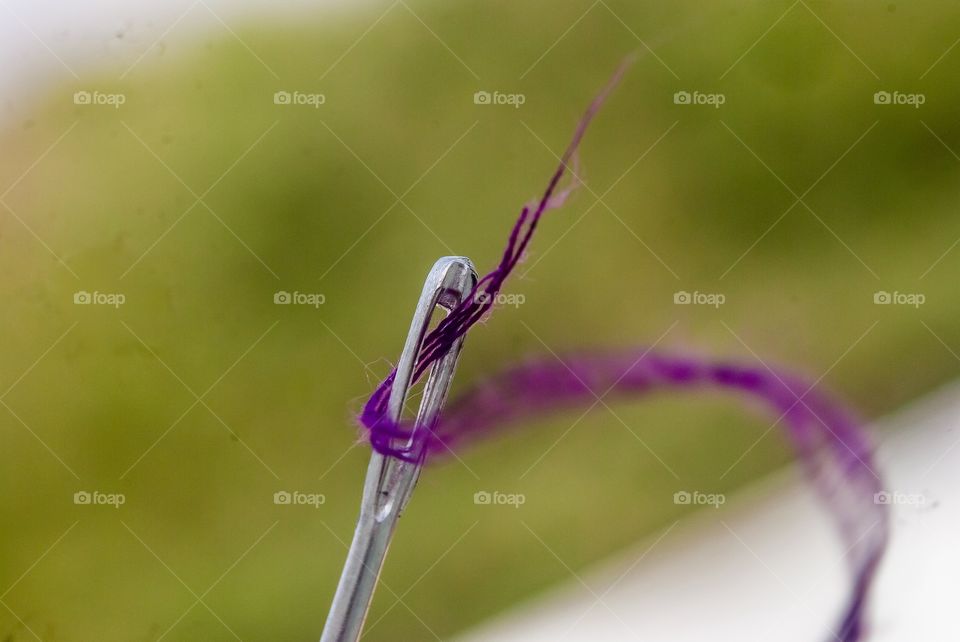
<point x="390" y="481"/>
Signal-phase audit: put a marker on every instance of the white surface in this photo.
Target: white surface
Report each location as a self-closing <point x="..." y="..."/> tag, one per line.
<point x="768" y="567"/>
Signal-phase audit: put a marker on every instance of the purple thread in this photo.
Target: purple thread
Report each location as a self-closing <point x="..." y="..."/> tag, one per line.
<point x="382" y="431"/>
<point x="832" y="448"/>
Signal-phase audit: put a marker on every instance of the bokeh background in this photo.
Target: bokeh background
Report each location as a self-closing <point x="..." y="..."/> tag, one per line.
<point x="199" y="198"/>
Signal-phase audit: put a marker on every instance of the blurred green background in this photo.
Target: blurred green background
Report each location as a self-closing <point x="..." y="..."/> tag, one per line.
<point x="199" y="398"/>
